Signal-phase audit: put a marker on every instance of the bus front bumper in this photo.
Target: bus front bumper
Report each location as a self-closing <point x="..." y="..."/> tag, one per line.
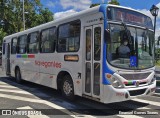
<point x="112" y="94"/>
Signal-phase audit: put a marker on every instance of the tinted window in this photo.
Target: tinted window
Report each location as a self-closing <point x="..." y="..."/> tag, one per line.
<point x="88" y="78"/>
<point x="135" y="52"/>
<point x="88" y="44"/>
<point x="4" y="46"/>
<point x="22" y="43"/>
<point x="48" y="40"/>
<point x="14" y="46"/>
<point x="97" y="43"/>
<point x="69" y="36"/>
<point x="33" y="42"/>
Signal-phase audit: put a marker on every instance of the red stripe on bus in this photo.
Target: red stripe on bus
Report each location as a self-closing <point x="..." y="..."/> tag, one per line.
<point x="31" y="56"/>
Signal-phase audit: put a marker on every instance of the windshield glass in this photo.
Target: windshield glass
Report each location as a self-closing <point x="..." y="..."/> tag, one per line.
<point x="134" y="52"/>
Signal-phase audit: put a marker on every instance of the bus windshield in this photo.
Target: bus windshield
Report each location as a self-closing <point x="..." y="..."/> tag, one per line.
<point x="134" y="52"/>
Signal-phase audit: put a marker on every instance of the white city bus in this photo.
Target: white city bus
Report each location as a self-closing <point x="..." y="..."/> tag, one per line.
<point x="79" y="54"/>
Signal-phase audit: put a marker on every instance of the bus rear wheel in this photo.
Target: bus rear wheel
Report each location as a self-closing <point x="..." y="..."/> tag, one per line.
<point x="18" y="76"/>
<point x="67" y="88"/>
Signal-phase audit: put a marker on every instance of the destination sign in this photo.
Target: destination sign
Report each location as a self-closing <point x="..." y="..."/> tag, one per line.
<point x="129" y="16"/>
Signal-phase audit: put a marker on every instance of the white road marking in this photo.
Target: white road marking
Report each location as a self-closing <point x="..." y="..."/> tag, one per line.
<point x="86" y="116"/>
<point x="32" y="116"/>
<point x="8" y="86"/>
<point x="38" y="101"/>
<point x="15" y="91"/>
<point x="129" y="116"/>
<point x="144" y="108"/>
<point x="3" y="83"/>
<point x="147" y="101"/>
<point x="46" y="103"/>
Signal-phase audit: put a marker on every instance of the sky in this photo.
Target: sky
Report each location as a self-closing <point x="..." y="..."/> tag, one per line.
<point x="62" y="8"/>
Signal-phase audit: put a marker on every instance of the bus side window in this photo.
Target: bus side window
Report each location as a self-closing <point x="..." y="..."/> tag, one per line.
<point x="48" y="40"/>
<point x="33" y="42"/>
<point x="13" y="45"/>
<point x="69" y="37"/>
<point x="22" y="44"/>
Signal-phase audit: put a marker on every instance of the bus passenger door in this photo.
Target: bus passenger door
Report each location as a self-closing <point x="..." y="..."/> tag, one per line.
<point x="93" y="59"/>
<point x="7" y="58"/>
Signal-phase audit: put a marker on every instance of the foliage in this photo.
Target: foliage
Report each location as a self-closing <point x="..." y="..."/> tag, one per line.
<point x="114" y="2"/>
<point x="11" y="12"/>
<point x="2" y="34"/>
<point x="93" y="5"/>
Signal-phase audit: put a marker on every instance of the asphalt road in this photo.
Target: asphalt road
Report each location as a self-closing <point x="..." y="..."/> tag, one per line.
<point x="29" y="97"/>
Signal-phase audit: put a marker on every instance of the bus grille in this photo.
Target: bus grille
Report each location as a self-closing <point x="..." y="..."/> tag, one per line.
<point x="137" y="92"/>
<point x="138" y="76"/>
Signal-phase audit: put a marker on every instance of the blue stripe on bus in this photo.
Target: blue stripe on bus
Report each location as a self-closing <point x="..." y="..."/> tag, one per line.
<point x="19" y="56"/>
<point x="103" y="9"/>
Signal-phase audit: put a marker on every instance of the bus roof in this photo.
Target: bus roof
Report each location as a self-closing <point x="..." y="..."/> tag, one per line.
<point x="79" y="14"/>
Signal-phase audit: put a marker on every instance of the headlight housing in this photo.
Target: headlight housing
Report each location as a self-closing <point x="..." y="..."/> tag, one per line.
<point x="114" y="81"/>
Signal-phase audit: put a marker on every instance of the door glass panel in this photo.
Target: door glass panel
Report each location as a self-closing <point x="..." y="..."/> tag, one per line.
<point x="88" y="44"/>
<point x="8" y="51"/>
<point x="8" y="59"/>
<point x="88" y="78"/>
<point x="96" y="83"/>
<point x="4" y="47"/>
<point x="97" y="43"/>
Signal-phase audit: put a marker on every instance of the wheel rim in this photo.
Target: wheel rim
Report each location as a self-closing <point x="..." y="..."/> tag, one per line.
<point x="67" y="88"/>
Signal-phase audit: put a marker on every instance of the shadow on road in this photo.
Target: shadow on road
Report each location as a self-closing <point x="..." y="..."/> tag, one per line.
<point x="80" y="106"/>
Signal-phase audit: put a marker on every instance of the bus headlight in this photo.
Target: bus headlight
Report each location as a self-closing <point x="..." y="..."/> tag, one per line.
<point x="114" y="81"/>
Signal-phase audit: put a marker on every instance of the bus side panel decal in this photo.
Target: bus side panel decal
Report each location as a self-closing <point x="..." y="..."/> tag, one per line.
<point x="18" y="56"/>
<point x="25" y="56"/>
<point x="31" y="56"/>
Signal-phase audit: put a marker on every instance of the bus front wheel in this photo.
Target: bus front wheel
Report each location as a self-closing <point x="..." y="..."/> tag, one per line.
<point x="18" y="76"/>
<point x="68" y="88"/>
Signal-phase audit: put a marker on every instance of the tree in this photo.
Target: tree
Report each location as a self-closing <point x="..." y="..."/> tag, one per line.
<point x="11" y="13"/>
<point x="43" y="17"/>
<point x="2" y="34"/>
<point x="93" y="5"/>
<point x="114" y="2"/>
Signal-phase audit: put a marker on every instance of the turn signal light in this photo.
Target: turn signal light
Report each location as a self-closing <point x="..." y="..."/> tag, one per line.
<point x="108" y="75"/>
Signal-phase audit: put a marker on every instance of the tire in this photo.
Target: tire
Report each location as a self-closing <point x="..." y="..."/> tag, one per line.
<point x="67" y="88"/>
<point x="18" y="76"/>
